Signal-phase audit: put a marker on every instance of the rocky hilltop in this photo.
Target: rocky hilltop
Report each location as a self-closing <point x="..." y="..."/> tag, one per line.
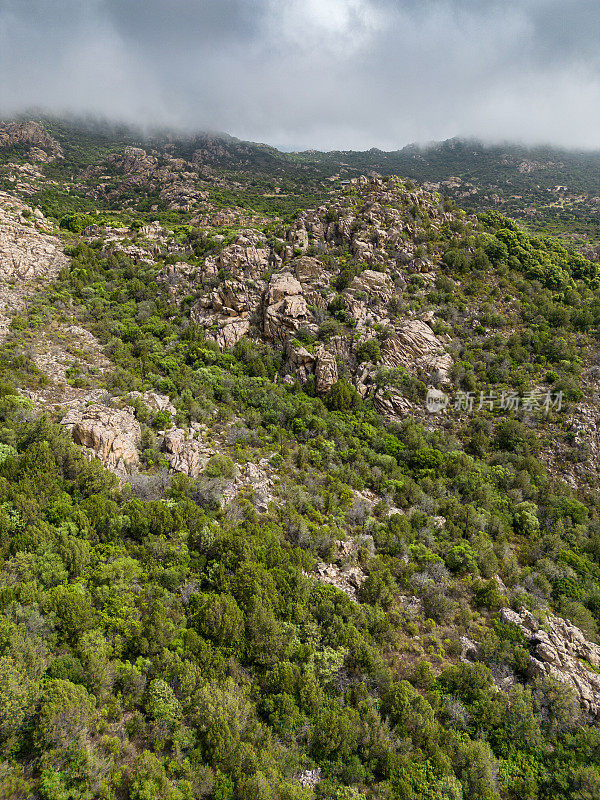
<point x="39" y="145"/>
<point x="283" y="295"/>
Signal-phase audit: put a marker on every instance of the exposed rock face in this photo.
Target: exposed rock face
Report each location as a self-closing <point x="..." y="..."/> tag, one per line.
<point x="346" y="575"/>
<point x="187" y="453"/>
<point x="236" y="300"/>
<point x="109" y="434"/>
<point x="285" y="307"/>
<point x="27" y="253"/>
<point x="155" y="401"/>
<point x="373" y="284"/>
<point x="42" y="146"/>
<point x="326" y="371"/>
<point x="174" y="179"/>
<point x="557" y="650"/>
<point x="301" y="359"/>
<point x="135" y="160"/>
<point x="257" y="481"/>
<point x="310" y="778"/>
<point x="236" y="297"/>
<point x="391" y="403"/>
<point x="415" y="345"/>
<point x="231" y="332"/>
<point x="348" y="578"/>
<point x="469" y="649"/>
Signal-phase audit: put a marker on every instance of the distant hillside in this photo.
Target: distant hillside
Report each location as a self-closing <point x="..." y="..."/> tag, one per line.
<point x="541" y="183"/>
<point x="552" y="189"/>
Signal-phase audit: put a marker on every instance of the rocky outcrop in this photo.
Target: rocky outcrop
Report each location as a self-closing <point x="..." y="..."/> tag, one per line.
<point x="28" y="253"/>
<point x="155" y="401"/>
<point x="109" y="434"/>
<point x="415" y="346"/>
<point x="301" y="360"/>
<point x="175" y="180"/>
<point x="326" y="371"/>
<point x="391" y="403"/>
<point x="185" y="450"/>
<point x="229" y="309"/>
<point x="560" y="650"/>
<point x="372" y="284"/>
<point x="310" y="778"/>
<point x="259" y="287"/>
<point x="42" y="147"/>
<point x="346" y="574"/>
<point x="285" y="308"/>
<point x="26" y="249"/>
<point x="348" y="578"/>
<point x="254" y="481"/>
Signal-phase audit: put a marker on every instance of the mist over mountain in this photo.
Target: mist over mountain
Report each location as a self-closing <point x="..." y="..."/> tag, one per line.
<point x="345" y="74"/>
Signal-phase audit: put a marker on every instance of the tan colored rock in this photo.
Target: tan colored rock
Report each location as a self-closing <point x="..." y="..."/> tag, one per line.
<point x="286" y="309"/>
<point x="232" y="297"/>
<point x="307" y="268"/>
<point x="43" y="146"/>
<point x="155" y="401"/>
<point x="283" y="319"/>
<point x="326" y="371"/>
<point x="186" y="453"/>
<point x="231" y="332"/>
<point x="256" y="481"/>
<point x="134" y="159"/>
<point x="282" y="286"/>
<point x="559" y="650"/>
<point x="247" y="259"/>
<point x="372" y="283"/>
<point x="348" y="578"/>
<point x="109" y="434"/>
<point x="302" y="360"/>
<point x="415" y="345"/>
<point x="28" y="254"/>
<point x="391" y="403"/>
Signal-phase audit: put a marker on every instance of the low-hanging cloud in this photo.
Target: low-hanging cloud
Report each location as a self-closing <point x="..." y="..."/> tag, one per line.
<point x="326" y="74"/>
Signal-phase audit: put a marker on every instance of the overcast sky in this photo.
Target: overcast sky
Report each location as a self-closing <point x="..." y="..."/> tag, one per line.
<point x="344" y="74"/>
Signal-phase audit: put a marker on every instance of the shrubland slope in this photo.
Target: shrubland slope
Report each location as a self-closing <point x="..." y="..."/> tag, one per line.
<point x="298" y="495"/>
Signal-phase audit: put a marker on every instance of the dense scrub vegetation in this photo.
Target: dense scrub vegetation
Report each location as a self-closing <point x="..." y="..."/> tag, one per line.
<point x="153" y="645"/>
<point x="158" y="647"/>
<point x="156" y="643"/>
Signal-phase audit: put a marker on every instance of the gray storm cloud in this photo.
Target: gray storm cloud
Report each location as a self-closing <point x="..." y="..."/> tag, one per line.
<point x="326" y="74"/>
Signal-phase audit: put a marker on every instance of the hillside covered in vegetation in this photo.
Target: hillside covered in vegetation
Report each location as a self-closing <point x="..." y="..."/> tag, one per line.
<point x="298" y="482"/>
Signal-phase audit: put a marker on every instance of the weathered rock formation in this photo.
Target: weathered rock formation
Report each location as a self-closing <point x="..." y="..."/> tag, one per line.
<point x="560" y="650"/>
<point x="28" y="253"/>
<point x="155" y="401"/>
<point x="255" y="481"/>
<point x="415" y="346"/>
<point x="326" y="371"/>
<point x="240" y="299"/>
<point x="285" y="308"/>
<point x="109" y="434"/>
<point x="42" y="147"/>
<point x="348" y="578"/>
<point x="186" y="451"/>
